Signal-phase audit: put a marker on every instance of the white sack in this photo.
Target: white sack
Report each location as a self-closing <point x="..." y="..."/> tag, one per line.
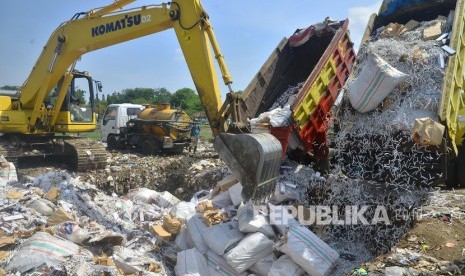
<point x="191" y="263"/>
<point x="263" y="266"/>
<point x="285" y="266"/>
<point x="248" y="251"/>
<point x="183" y="241"/>
<point x="217" y="266"/>
<point x="195" y="228"/>
<point x="44" y="248"/>
<point x="235" y="193"/>
<point x="222" y="237"/>
<point x="374" y="83"/>
<point x="308" y="251"/>
<point x="222" y="200"/>
<point x="251" y="222"/>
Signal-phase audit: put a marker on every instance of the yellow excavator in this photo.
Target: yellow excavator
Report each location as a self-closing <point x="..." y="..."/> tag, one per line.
<point x="47" y="107"/>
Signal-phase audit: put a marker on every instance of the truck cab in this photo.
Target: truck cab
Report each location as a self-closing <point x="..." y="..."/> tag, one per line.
<point x="115" y="117"/>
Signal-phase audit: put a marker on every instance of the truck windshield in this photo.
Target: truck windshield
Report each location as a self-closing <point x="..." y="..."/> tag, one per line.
<point x="110" y="114"/>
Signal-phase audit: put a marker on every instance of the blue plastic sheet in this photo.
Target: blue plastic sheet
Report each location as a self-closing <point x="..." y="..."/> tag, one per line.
<point x="394" y="5"/>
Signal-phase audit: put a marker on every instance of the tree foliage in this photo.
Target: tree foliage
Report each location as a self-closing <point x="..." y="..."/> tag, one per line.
<point x="186" y="99"/>
<point x="10" y="87"/>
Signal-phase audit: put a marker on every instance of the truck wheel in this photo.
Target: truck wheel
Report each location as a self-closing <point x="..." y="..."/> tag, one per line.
<point x="148" y="147"/>
<point x="112" y="142"/>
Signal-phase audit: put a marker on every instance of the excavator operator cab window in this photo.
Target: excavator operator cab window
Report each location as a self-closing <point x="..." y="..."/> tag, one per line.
<point x="81" y="99"/>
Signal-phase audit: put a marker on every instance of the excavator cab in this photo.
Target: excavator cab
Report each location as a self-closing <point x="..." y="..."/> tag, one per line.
<point x="77" y="113"/>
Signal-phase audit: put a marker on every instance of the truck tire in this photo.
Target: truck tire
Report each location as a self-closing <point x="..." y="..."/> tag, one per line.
<point x="111" y="142"/>
<point x="148" y="147"/>
<point x="114" y="143"/>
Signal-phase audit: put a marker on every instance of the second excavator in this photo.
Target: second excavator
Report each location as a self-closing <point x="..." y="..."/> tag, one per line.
<point x="45" y="104"/>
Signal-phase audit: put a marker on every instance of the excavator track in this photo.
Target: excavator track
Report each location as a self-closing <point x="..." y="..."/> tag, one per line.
<point x="85" y="154"/>
<point x="9" y="152"/>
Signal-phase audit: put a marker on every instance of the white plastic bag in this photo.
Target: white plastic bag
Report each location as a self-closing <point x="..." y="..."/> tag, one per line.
<point x="248" y="251"/>
<point x="374" y="83"/>
<point x="183" y="210"/>
<point x="191" y="263"/>
<point x="142" y="195"/>
<point x="308" y="251"/>
<point x="285" y="266"/>
<point x="222" y="237"/>
<point x="195" y="228"/>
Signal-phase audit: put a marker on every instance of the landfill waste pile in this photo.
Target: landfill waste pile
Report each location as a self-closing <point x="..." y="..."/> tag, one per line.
<point x="376" y="124"/>
<point x="67" y="226"/>
<point x="161" y="172"/>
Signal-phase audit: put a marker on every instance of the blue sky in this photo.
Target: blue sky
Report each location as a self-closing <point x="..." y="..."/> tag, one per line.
<point x="247" y="32"/>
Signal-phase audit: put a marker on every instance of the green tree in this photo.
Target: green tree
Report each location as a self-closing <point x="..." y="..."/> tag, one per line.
<point x="187" y="99"/>
<point x="162" y="95"/>
<point x="10" y="87"/>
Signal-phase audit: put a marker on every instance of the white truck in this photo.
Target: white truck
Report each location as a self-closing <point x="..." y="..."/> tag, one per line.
<point x="115" y="117"/>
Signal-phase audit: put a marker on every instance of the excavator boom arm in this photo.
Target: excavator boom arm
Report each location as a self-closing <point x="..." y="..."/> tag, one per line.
<point x="104" y="27"/>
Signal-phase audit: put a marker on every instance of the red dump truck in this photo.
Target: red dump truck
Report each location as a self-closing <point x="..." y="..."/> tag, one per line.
<point x="317" y="61"/>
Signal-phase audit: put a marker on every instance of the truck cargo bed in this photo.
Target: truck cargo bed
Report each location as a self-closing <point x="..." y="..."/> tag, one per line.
<point x="321" y="66"/>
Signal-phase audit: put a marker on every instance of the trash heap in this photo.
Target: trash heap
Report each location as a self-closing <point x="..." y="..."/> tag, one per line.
<point x="57" y="224"/>
<point x="380" y="111"/>
<point x="173" y="173"/>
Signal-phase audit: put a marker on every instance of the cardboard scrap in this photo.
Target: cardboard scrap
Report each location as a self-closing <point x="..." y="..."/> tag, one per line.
<point x="59" y="216"/>
<point x="426" y="131"/>
<point x="432" y="32"/>
<point x="171" y="224"/>
<point x="14" y="194"/>
<point x="161" y="233"/>
<point x="103" y="260"/>
<point x="204" y="206"/>
<point x="52" y="194"/>
<point x="393" y="30"/>
<point x="4" y="255"/>
<point x="212" y="217"/>
<point x="7" y="240"/>
<point x="224" y="185"/>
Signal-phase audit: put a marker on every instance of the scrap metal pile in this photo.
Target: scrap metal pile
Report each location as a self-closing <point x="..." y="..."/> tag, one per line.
<point x="377" y="144"/>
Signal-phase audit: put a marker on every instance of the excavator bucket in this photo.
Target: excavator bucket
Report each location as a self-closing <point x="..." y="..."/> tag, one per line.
<point x="254" y="159"/>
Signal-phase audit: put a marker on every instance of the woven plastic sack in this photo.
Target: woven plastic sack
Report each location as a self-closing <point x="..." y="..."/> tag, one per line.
<point x="248" y="251"/>
<point x="373" y="84"/>
<point x="191" y="262"/>
<point x="217" y="266"/>
<point x="308" y="251"/>
<point x="285" y="266"/>
<point x="263" y="266"/>
<point x="44" y="248"/>
<point x="250" y="222"/>
<point x="166" y="200"/>
<point x="222" y="237"/>
<point x="195" y="228"/>
<point x="183" y="241"/>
